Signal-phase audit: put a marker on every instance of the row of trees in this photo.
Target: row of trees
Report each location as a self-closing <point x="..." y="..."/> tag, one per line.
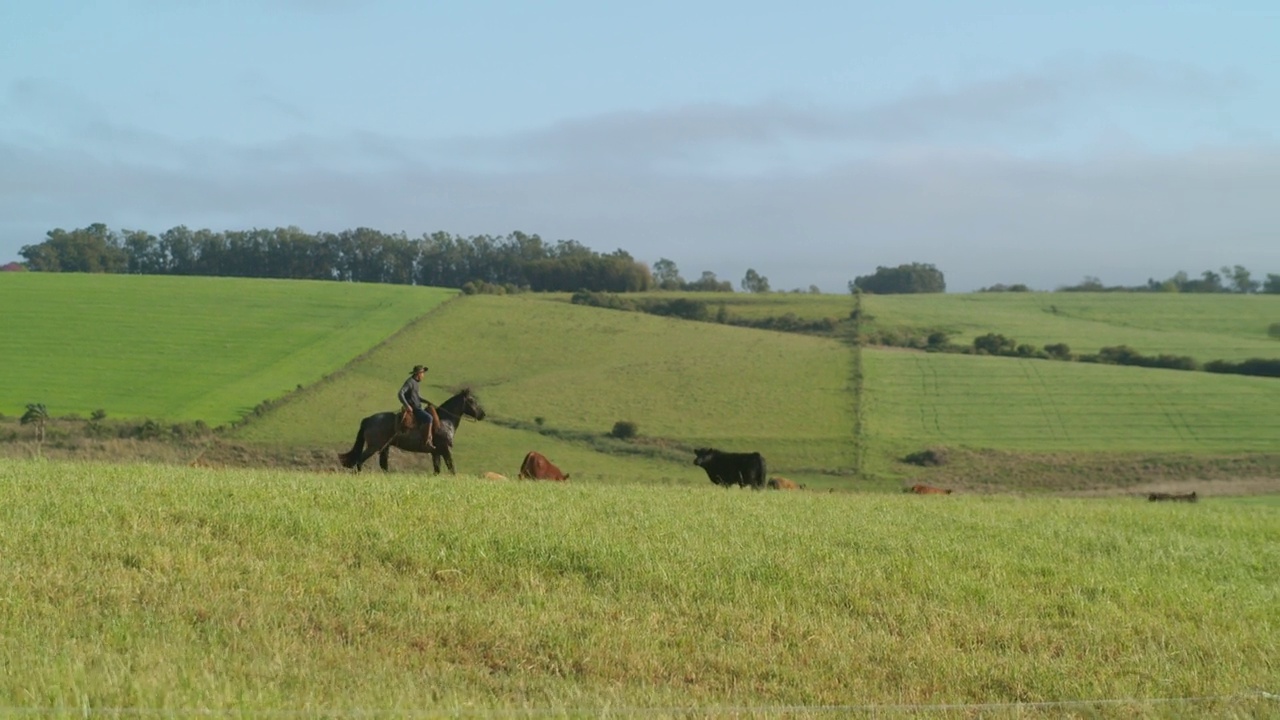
<point x="516" y="261"/>
<point x="1236" y="279"/>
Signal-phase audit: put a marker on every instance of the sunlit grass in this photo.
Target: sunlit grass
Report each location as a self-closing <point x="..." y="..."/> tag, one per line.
<point x="184" y="348"/>
<point x="1202" y="326"/>
<point x="166" y="589"/>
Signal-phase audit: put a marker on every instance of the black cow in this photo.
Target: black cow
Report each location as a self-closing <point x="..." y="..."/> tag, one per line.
<point x="743" y="469"/>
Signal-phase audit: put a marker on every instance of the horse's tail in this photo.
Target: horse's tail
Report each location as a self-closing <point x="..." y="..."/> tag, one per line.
<point x="350" y="458"/>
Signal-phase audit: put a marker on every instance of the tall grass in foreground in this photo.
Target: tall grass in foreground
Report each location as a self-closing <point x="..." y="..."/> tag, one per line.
<point x="180" y="589"/>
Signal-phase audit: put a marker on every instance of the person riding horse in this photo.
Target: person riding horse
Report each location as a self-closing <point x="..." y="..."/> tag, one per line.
<point x="410" y="397"/>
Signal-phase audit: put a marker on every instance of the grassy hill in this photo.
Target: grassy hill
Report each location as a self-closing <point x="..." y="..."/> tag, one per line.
<point x="184" y="348"/>
<point x="556" y="377"/>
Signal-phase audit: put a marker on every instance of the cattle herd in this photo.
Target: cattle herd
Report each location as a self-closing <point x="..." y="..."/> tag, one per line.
<point x="729" y="469"/>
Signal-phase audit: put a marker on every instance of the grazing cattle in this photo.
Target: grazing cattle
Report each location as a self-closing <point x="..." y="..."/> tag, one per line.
<point x="725" y="469"/>
<point x="538" y="467"/>
<point x="1175" y="497"/>
<point x="781" y="483"/>
<point x="494" y="476"/>
<point x="922" y="489"/>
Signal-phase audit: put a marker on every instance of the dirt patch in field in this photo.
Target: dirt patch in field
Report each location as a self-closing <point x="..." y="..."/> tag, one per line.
<point x="1102" y="474"/>
<point x="1219" y="487"/>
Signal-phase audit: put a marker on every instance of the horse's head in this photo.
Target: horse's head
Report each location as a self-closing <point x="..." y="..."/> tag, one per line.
<point x="471" y="405"/>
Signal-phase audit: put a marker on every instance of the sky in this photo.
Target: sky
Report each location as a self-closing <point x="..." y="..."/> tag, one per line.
<point x="1002" y="141"/>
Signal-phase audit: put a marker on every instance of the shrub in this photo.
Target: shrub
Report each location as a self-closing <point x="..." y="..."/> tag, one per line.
<point x="929" y="457"/>
<point x="1058" y="351"/>
<point x="624" y="430"/>
<point x="995" y="344"/>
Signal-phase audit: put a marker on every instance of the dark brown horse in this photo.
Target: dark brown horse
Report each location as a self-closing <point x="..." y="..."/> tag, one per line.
<point x="381" y="432"/>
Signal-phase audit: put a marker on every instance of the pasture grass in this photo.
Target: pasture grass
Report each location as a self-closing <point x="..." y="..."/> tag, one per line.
<point x="556" y="378"/>
<point x="915" y="400"/>
<point x="149" y="589"/>
<point x="184" y="348"/>
<point x="1202" y="326"/>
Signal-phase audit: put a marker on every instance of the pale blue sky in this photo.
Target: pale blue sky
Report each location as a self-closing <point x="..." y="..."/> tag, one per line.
<point x="811" y="141"/>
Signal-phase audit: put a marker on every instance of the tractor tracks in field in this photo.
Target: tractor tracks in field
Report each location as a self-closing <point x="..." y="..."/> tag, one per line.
<point x="1048" y="404"/>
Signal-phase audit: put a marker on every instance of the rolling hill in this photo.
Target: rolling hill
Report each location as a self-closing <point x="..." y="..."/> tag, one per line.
<point x="556" y="377"/>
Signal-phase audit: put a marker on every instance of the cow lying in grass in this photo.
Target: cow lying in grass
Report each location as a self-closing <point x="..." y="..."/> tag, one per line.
<point x="537" y="467"/>
<point x="1175" y="497"/>
<point x="781" y="483"/>
<point x="922" y="489"/>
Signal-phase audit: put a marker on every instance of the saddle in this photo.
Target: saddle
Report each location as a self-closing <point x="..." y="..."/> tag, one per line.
<point x="408" y="422"/>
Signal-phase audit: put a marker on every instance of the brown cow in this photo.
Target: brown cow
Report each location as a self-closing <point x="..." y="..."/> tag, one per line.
<point x="538" y="467"/>
<point x="1184" y="497"/>
<point x="922" y="489"/>
<point x="781" y="483"/>
<point x="494" y="476"/>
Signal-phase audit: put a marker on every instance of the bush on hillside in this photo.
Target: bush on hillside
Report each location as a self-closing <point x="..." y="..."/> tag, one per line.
<point x="929" y="457"/>
<point x="624" y="430"/>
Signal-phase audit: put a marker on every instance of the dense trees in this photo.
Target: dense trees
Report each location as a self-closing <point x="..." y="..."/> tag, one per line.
<point x="754" y="282"/>
<point x="912" y="278"/>
<point x="482" y="263"/>
<point x="1234" y="279"/>
<point x="360" y="255"/>
<point x="94" y="249"/>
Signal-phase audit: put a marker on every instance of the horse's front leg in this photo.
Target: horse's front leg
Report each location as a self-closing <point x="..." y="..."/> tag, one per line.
<point x="448" y="459"/>
<point x="435" y="462"/>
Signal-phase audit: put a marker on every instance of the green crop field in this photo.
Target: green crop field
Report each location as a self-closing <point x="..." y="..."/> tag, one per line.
<point x="915" y="400"/>
<point x="557" y="377"/>
<point x="583" y="369"/>
<point x="159" y="591"/>
<point x="184" y="348"/>
<point x="1205" y="327"/>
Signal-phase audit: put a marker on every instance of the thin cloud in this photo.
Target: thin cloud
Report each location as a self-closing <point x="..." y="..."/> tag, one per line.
<point x="927" y="177"/>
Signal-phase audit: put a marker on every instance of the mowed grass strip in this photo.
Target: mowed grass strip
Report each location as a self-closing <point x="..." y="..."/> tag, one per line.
<point x="184" y="348"/>
<point x="580" y="370"/>
<point x="917" y="400"/>
<point x="1203" y="326"/>
<point x="137" y="588"/>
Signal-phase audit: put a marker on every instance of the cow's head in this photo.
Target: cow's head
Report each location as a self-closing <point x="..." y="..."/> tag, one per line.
<point x="702" y="455"/>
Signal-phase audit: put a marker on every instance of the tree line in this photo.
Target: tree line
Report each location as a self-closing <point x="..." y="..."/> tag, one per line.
<point x="1228" y="279"/>
<point x="482" y="263"/>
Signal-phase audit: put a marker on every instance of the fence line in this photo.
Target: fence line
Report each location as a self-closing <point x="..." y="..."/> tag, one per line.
<point x="86" y="711"/>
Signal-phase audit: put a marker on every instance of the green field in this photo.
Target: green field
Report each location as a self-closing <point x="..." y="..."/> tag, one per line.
<point x="916" y="399"/>
<point x="583" y="369"/>
<point x="184" y="348"/>
<point x="556" y="377"/>
<point x="1205" y="327"/>
<point x="161" y="591"/>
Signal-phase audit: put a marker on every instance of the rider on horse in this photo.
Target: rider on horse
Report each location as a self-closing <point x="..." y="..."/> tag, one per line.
<point x="410" y="397"/>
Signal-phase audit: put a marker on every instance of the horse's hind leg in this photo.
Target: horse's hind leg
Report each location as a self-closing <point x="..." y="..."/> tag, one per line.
<point x="382" y="457"/>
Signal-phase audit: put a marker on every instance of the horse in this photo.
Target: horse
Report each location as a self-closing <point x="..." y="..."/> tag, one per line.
<point x="381" y="431"/>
